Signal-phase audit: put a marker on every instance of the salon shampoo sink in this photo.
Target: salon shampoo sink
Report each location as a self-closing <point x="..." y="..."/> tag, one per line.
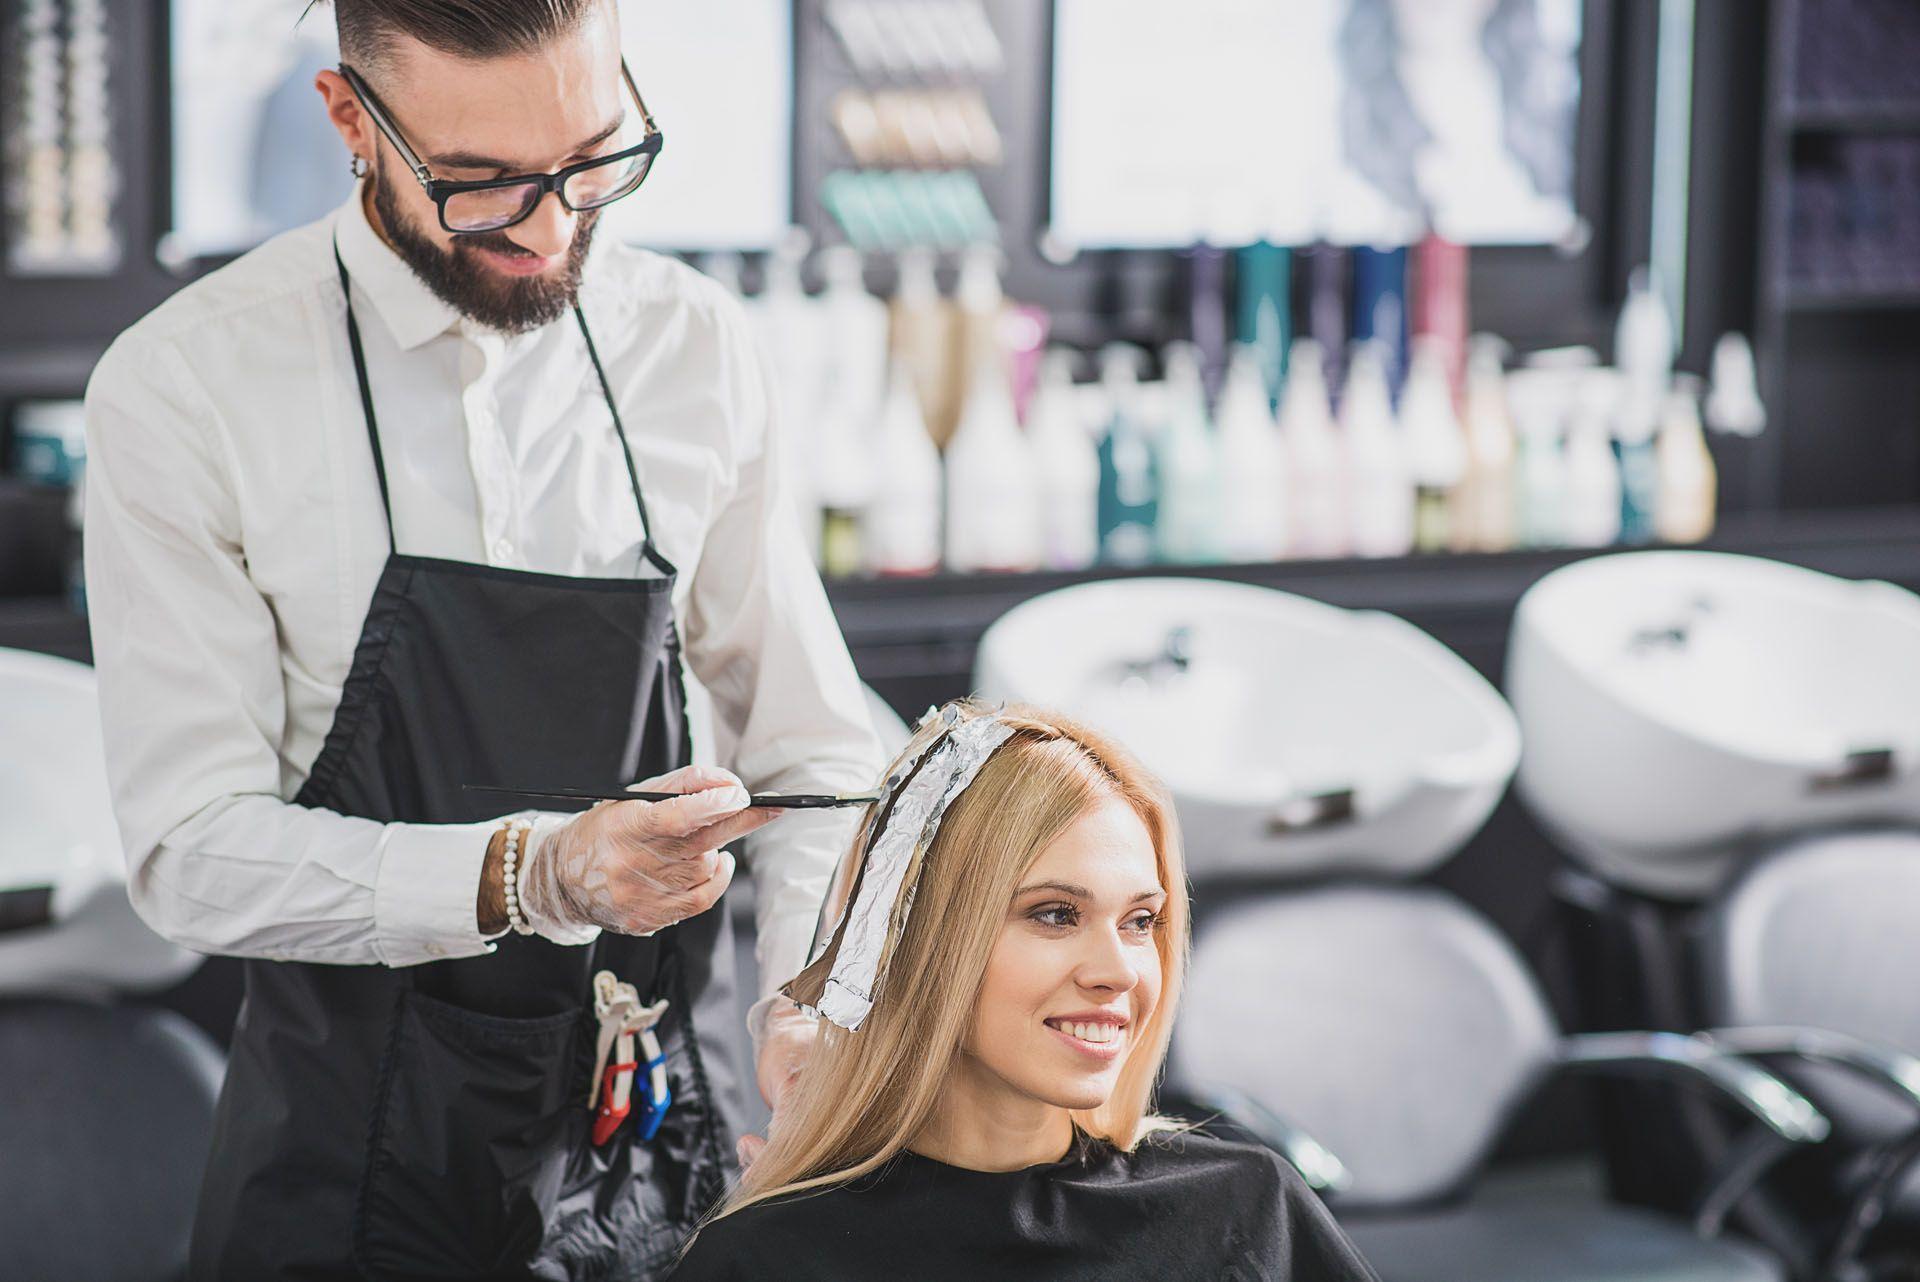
<point x="66" y="927"/>
<point x="1680" y="707"/>
<point x="1296" y="738"/>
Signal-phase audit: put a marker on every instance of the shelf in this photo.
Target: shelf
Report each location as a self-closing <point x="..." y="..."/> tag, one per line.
<point x="52" y="370"/>
<point x="1814" y="298"/>
<point x="1862" y="118"/>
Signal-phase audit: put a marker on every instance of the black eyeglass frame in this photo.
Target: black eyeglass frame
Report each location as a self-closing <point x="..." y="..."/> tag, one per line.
<point x="440" y="190"/>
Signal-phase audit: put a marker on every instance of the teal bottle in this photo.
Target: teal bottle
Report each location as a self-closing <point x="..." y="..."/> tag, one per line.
<point x="1129" y="468"/>
<point x="1264" y="321"/>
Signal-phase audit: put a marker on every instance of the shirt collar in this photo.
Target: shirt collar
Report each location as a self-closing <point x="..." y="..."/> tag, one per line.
<point x="414" y="313"/>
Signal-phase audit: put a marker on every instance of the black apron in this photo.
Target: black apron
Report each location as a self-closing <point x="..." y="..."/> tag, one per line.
<point x="431" y="1121"/>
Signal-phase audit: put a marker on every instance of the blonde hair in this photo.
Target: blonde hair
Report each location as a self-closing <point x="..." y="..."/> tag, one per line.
<point x="864" y="1095"/>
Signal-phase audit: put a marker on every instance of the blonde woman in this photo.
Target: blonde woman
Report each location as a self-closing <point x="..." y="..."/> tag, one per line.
<point x="998" y="998"/>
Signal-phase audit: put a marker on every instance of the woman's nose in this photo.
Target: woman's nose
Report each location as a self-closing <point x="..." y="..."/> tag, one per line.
<point x="1107" y="963"/>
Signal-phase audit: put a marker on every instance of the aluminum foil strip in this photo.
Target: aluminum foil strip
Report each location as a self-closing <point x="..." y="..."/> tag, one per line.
<point x="872" y="921"/>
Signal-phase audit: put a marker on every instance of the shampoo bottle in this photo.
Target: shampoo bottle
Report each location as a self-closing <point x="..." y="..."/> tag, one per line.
<point x="1129" y="472"/>
<point x="1486" y="508"/>
<point x="1436" y="446"/>
<point x="1317" y="495"/>
<point x="1379" y="485"/>
<point x="1189" y="525"/>
<point x="1591" y="516"/>
<point x="1688" y="482"/>
<point x="1254" y="500"/>
<point x="902" y="531"/>
<point x="1068" y="466"/>
<point x="993" y="494"/>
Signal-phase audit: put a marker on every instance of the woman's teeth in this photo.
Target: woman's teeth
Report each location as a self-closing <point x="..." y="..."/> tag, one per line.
<point x="1099" y="1034"/>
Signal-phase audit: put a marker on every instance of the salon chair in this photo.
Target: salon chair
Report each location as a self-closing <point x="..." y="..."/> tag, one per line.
<point x="1382" y="1036"/>
<point x="107" y="1114"/>
<point x="1810" y="958"/>
<point x="106" y="1107"/>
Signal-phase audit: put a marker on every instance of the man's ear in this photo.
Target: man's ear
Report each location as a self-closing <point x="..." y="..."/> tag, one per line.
<point x="355" y="127"/>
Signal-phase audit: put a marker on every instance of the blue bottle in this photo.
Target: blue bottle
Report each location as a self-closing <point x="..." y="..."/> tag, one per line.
<point x="1380" y="308"/>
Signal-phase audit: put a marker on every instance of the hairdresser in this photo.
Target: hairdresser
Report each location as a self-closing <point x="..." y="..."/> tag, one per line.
<point x="440" y="492"/>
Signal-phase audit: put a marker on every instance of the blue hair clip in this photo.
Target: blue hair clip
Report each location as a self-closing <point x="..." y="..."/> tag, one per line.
<point x="656" y="1099"/>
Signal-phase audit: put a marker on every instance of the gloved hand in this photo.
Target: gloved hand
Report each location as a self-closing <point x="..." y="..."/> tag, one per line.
<point x="637" y="866"/>
<point x="783" y="1040"/>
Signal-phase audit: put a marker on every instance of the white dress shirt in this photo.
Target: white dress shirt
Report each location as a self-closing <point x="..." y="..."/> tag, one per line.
<point x="234" y="535"/>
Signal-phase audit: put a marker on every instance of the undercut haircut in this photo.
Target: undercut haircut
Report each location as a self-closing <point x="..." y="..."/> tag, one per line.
<point x="465" y="28"/>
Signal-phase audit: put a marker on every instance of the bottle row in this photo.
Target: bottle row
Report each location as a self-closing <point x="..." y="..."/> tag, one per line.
<point x="940" y="433"/>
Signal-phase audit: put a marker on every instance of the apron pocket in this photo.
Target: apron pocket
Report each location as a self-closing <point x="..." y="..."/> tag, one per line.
<point x="469" y="1139"/>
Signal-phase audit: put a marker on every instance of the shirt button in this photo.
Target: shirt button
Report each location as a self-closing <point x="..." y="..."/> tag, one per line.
<point x="502" y="549"/>
<point x="434" y="950"/>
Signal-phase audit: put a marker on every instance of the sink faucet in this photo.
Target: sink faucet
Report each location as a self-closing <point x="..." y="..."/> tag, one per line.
<point x="1674" y="635"/>
<point x="1176" y="656"/>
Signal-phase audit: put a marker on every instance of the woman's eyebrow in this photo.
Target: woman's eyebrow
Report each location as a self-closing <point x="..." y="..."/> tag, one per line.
<point x="1064" y="887"/>
<point x="1081" y="892"/>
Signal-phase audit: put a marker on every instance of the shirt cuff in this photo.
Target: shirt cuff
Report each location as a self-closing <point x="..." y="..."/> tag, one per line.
<point x="424" y="896"/>
<point x="572" y="934"/>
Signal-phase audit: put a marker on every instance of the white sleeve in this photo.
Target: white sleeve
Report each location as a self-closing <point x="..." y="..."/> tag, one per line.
<point x="193" y="709"/>
<point x="763" y="640"/>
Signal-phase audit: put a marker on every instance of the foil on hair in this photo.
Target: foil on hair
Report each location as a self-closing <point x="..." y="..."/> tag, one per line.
<point x="878" y="914"/>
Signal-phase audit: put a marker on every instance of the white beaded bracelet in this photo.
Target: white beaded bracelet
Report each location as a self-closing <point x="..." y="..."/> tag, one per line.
<point x="515" y="829"/>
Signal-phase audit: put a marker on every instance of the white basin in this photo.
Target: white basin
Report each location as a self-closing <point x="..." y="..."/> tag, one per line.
<point x="61" y="837"/>
<point x="1296" y="738"/>
<point x="1679" y="706"/>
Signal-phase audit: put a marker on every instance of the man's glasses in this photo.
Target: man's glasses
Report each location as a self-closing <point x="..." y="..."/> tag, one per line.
<point x="497" y="203"/>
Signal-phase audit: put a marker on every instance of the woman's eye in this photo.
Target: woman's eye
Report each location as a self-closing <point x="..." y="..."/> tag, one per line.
<point x="1146" y="923"/>
<point x="1059" y="915"/>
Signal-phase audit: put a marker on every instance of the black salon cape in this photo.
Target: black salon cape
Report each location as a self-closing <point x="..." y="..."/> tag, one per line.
<point x="1180" y="1206"/>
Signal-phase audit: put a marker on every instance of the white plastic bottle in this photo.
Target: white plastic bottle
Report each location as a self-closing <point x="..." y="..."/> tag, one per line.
<point x="1643" y="352"/>
<point x="792" y="333"/>
<point x="1436" y="446"/>
<point x="1689" y="483"/>
<point x="1069" y="469"/>
<point x="1379" y="485"/>
<point x="1643" y="346"/>
<point x="1591" y="511"/>
<point x="993" y="492"/>
<point x="1317" y="491"/>
<point x="1484" y="519"/>
<point x="1540" y="468"/>
<point x="1253" y="465"/>
<point x="1189" y="529"/>
<point x="854" y="375"/>
<point x="902" y="531"/>
<point x="1734" y="405"/>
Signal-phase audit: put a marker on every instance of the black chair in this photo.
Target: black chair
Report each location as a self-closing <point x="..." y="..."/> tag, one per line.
<point x="1383" y="1036"/>
<point x="1811" y="956"/>
<point x="106" y="1113"/>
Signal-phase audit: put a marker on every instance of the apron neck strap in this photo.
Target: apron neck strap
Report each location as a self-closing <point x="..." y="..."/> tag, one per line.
<point x="647" y="548"/>
<point x="626" y="451"/>
<point x="366" y="395"/>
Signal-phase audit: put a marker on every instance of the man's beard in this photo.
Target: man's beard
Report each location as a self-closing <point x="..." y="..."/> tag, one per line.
<point x="510" y="304"/>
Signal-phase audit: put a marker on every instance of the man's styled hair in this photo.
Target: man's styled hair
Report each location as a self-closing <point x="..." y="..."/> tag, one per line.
<point x="465" y="28"/>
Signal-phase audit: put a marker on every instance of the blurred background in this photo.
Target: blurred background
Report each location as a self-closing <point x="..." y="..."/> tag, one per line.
<point x="1421" y="307"/>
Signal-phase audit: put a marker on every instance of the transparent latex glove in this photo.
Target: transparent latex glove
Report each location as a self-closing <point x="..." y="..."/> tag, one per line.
<point x="636" y="867"/>
<point x="783" y="1039"/>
